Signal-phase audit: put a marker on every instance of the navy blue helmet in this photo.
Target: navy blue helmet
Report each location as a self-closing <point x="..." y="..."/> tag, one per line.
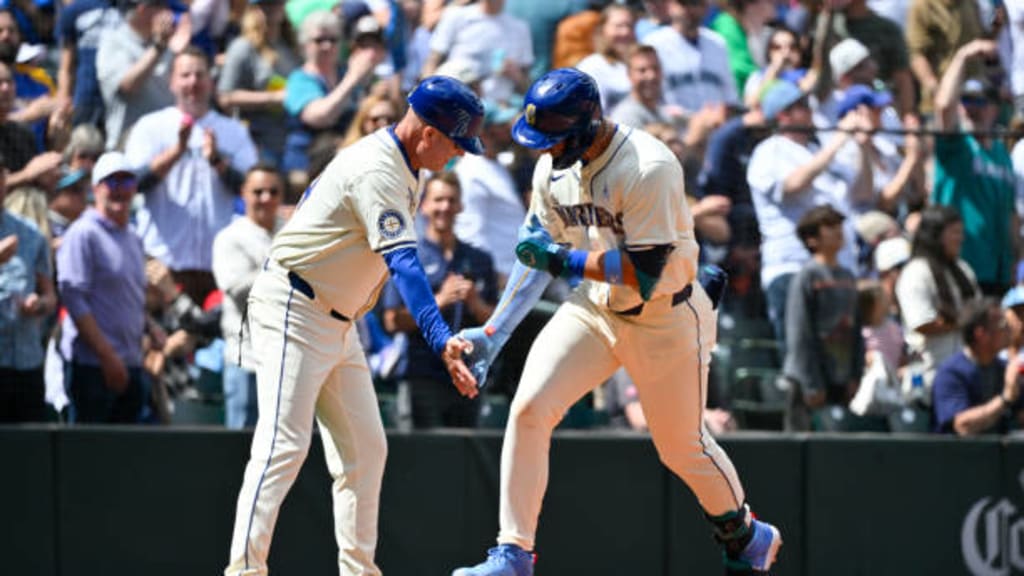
<point x="563" y="105"/>
<point x="451" y="107"/>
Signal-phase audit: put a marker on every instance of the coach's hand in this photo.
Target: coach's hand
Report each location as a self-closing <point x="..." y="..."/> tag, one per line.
<point x="461" y="375"/>
<point x="479" y="357"/>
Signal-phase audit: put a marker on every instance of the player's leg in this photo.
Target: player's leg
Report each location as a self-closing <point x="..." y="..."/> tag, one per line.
<point x="668" y="357"/>
<point x="296" y="346"/>
<point x="356" y="449"/>
<point x="570" y="357"/>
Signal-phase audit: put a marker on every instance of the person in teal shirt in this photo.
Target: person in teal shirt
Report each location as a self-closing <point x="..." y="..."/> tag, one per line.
<point x="973" y="171"/>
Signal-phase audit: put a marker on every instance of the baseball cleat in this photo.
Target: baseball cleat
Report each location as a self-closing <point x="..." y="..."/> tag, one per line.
<point x="760" y="553"/>
<point x="503" y="560"/>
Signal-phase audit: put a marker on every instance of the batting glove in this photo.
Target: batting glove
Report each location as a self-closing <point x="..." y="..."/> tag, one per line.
<point x="485" y="349"/>
<point x="538" y="250"/>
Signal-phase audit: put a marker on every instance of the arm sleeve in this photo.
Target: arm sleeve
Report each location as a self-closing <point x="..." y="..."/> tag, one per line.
<point x="231" y="74"/>
<point x="411" y="282"/>
<point x="524" y="288"/>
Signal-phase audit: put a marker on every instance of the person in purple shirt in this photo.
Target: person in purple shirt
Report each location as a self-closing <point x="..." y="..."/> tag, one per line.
<point x="101" y="278"/>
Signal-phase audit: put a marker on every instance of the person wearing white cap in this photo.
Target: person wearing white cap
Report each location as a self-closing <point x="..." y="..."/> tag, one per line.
<point x="102" y="282"/>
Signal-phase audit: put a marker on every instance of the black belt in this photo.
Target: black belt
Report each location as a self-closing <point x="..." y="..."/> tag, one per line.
<point x="302" y="286"/>
<point x="677" y="299"/>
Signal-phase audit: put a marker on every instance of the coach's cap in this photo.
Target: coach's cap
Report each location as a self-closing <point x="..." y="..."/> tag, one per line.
<point x="778" y="97"/>
<point x="109" y="164"/>
<point x="891" y="253"/>
<point x="451" y="107"/>
<point x="846" y="56"/>
<point x="860" y="94"/>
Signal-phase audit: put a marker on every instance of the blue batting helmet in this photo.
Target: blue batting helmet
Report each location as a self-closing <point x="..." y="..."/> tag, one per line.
<point x="563" y="105"/>
<point x="451" y="107"/>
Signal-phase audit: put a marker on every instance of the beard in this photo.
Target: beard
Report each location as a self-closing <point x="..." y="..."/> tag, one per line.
<point x="8" y="53"/>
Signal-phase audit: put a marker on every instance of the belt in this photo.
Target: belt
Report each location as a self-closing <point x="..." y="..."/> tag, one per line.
<point x="303" y="287"/>
<point x="677" y="299"/>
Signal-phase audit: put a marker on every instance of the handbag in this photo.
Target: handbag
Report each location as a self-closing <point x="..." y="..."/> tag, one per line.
<point x="879" y="393"/>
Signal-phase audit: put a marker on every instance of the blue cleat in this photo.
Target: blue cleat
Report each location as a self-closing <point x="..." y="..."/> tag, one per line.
<point x="504" y="560"/>
<point x="759" y="554"/>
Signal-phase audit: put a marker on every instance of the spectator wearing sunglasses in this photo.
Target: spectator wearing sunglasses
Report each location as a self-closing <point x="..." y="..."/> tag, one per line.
<point x="102" y="283"/>
<point x="238" y="255"/>
<point x="322" y="95"/>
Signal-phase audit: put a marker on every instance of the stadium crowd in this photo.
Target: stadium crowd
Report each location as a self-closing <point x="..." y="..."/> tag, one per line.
<point x="852" y="164"/>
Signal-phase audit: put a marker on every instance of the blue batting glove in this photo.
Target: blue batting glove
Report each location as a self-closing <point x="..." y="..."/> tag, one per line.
<point x="485" y="350"/>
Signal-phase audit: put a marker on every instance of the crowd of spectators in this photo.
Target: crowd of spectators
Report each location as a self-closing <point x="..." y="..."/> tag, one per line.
<point x="854" y="165"/>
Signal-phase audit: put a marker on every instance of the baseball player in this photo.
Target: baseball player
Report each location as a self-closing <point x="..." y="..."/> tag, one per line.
<point x="326" y="267"/>
<point x="608" y="212"/>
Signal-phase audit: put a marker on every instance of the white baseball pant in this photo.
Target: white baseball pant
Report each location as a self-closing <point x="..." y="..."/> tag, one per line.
<point x="666" y="350"/>
<point x="309" y="363"/>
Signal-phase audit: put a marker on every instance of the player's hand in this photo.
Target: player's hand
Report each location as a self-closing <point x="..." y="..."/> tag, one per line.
<point x="483" y="351"/>
<point x="538" y="250"/>
<point x="462" y="377"/>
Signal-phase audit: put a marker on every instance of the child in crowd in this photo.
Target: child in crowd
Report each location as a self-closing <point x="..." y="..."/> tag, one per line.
<point x="824" y="348"/>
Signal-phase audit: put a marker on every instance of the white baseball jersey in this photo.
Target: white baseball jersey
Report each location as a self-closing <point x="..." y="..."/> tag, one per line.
<point x="362" y="206"/>
<point x="631" y="197"/>
<point x="694" y="74"/>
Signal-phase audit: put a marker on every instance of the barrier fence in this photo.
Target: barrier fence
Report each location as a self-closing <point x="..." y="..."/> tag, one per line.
<point x="120" y="501"/>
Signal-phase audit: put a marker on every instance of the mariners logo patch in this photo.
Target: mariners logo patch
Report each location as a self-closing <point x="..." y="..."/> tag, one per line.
<point x="531" y="114"/>
<point x="390" y="224"/>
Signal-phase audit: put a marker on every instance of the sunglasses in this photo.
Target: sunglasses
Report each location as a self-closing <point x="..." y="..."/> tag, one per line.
<point x="382" y="119"/>
<point x="330" y="40"/>
<point x="120" y="182"/>
<point x="261" y="191"/>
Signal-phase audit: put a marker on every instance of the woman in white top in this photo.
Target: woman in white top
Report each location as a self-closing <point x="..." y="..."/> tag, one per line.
<point x="613" y="38"/>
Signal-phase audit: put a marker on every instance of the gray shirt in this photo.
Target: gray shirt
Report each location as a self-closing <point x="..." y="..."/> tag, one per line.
<point x="246" y="69"/>
<point x="118" y="52"/>
<point x="824" y="347"/>
<point x="632" y="112"/>
<point x="100" y="271"/>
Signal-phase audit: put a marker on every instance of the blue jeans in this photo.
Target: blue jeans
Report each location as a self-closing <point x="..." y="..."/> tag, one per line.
<point x="239" y="396"/>
<point x="775" y="298"/>
<point x="93" y="403"/>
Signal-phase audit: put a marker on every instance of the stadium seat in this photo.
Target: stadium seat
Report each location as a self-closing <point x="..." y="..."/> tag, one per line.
<point x="911" y="420"/>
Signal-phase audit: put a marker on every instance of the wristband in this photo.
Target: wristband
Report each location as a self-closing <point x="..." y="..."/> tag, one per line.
<point x="613" y="267"/>
<point x="575" y="263"/>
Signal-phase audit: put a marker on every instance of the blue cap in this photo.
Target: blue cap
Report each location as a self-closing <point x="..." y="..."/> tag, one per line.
<point x="860" y="94"/>
<point x="451" y="107"/>
<point x="1015" y="297"/>
<point x="69" y="177"/>
<point x="778" y="97"/>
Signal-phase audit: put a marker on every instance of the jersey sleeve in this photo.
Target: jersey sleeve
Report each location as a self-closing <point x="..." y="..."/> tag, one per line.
<point x="382" y="202"/>
<point x="651" y="207"/>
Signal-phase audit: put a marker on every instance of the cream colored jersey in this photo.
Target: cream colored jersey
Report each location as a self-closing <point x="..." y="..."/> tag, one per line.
<point x="360" y="208"/>
<point x="630" y="197"/>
